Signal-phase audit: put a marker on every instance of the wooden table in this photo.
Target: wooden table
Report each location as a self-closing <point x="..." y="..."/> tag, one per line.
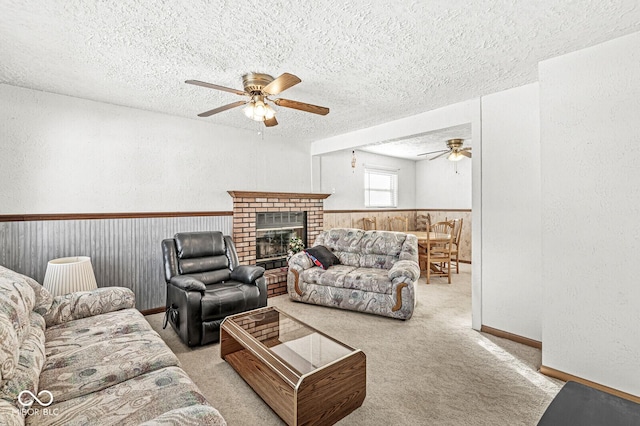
<point x="305" y="376"/>
<point x="434" y="237"/>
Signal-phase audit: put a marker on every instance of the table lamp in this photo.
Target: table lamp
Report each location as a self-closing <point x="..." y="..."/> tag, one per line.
<point x="69" y="274"/>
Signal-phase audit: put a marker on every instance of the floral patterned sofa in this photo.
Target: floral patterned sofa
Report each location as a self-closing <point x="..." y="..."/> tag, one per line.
<point x="378" y="272"/>
<point x="88" y="358"/>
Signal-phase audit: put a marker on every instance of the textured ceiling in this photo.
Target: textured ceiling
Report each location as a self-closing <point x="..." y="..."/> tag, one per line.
<point x="412" y="147"/>
<point x="368" y="61"/>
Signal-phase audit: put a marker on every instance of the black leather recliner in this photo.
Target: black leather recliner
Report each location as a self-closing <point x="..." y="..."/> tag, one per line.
<point x="205" y="284"/>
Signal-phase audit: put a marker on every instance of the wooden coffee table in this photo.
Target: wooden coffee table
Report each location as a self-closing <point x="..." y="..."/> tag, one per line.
<point x="305" y="376"/>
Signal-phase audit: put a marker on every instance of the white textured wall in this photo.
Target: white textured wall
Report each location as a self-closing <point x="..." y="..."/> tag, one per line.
<point x="60" y="154"/>
<point x="511" y="230"/>
<point x="337" y="175"/>
<point x="590" y="109"/>
<point x="443" y="184"/>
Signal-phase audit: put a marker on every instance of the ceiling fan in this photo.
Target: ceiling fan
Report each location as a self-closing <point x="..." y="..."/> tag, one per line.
<point x="456" y="151"/>
<point x="258" y="88"/>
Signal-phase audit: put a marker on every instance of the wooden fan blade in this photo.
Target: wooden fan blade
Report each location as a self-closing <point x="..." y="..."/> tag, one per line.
<point x="271" y="122"/>
<point x="439" y="155"/>
<point x="281" y="84"/>
<point x="434" y="152"/>
<point x="215" y="86"/>
<point x="466" y="153"/>
<point x="302" y="106"/>
<point x="222" y="108"/>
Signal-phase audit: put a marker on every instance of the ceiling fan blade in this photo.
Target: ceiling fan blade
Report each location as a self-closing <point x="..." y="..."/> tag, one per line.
<point x="281" y="84"/>
<point x="434" y="152"/>
<point x="302" y="106"/>
<point x="215" y="86"/>
<point x="222" y="108"/>
<point x="466" y="153"/>
<point x="439" y="155"/>
<point x="271" y="122"/>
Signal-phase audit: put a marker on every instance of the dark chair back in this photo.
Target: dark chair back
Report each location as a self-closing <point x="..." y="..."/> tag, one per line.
<point x="206" y="256"/>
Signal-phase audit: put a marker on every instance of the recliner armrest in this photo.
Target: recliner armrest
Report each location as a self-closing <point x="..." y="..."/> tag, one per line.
<point x="187" y="283"/>
<point x="247" y="274"/>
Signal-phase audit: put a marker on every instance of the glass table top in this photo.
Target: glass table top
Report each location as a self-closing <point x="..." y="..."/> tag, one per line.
<point x="302" y="347"/>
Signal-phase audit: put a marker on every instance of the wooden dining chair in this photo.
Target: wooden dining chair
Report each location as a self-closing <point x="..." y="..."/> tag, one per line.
<point x="455" y="249"/>
<point x="367" y="223"/>
<point x="398" y="224"/>
<point x="423" y="222"/>
<point x="439" y="252"/>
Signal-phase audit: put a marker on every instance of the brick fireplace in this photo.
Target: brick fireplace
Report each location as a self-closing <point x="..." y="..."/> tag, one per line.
<point x="246" y="205"/>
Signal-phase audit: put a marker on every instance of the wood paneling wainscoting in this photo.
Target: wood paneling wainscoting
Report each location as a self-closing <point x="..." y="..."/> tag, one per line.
<point x="353" y="218"/>
<point x="124" y="247"/>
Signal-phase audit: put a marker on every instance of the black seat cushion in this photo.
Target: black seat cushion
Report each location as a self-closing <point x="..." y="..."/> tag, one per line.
<point x="228" y="298"/>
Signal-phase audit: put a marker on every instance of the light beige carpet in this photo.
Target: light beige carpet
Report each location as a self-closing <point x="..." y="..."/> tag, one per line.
<point x="430" y="370"/>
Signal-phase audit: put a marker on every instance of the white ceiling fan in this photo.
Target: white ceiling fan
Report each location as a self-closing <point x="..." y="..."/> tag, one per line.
<point x="455" y="151"/>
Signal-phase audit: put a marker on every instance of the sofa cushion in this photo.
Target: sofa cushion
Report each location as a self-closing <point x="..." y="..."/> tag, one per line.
<point x="322" y="257"/>
<point x="344" y="243"/>
<point x="30" y="361"/>
<point x="369" y="249"/>
<point x="90" y="354"/>
<point x="44" y="299"/>
<point x="17" y="300"/>
<point x="140" y="399"/>
<point x="381" y="249"/>
<point x="85" y="304"/>
<point x="333" y="276"/>
<point x="369" y="279"/>
<point x="10" y="415"/>
<point x="9" y="349"/>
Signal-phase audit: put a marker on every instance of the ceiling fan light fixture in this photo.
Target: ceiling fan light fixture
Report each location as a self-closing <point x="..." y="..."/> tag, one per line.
<point x="269" y="113"/>
<point x="259" y="109"/>
<point x="257" y="87"/>
<point x="455" y="156"/>
<point x="248" y="110"/>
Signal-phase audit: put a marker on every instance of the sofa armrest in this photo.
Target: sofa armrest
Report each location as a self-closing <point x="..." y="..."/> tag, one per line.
<point x="408" y="270"/>
<point x="247" y="274"/>
<point x="187" y="283"/>
<point x="297" y="264"/>
<point x="300" y="261"/>
<point x="82" y="304"/>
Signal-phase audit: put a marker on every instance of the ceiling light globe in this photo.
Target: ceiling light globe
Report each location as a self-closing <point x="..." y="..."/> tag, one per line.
<point x="248" y="110"/>
<point x="269" y="113"/>
<point x="455" y="156"/>
<point x="259" y="109"/>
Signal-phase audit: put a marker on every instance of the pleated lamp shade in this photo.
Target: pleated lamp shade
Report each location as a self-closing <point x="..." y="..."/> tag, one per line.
<point x="69" y="274"/>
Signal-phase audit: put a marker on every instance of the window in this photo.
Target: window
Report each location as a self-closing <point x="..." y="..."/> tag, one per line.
<point x="380" y="187"/>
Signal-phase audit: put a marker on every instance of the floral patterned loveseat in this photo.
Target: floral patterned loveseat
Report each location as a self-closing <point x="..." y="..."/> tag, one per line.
<point x="88" y="358"/>
<point x="378" y="272"/>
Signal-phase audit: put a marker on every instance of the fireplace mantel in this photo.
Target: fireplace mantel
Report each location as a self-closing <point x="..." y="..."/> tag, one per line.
<point x="263" y="194"/>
